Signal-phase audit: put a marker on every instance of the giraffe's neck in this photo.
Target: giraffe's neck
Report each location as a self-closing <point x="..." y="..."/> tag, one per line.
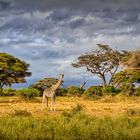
<point x="56" y="86"/>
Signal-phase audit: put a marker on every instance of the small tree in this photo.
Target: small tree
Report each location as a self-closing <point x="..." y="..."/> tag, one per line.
<point x="102" y="62"/>
<point x="12" y="70"/>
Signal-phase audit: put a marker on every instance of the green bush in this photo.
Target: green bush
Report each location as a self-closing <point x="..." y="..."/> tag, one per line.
<point x="28" y="93"/>
<point x="62" y="92"/>
<point x="137" y="92"/>
<point x="8" y="92"/>
<point x="74" y="90"/>
<point x="110" y="90"/>
<point x="93" y="91"/>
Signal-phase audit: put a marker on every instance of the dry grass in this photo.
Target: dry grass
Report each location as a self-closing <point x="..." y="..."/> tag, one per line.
<point x="107" y="106"/>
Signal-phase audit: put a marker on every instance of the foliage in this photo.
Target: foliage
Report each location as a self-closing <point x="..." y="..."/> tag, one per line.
<point x="128" y="89"/>
<point x="93" y="91"/>
<point x="28" y="93"/>
<point x="110" y="90"/>
<point x="125" y="80"/>
<point x="62" y="91"/>
<point x="102" y="61"/>
<point x="123" y="77"/>
<point x="74" y="90"/>
<point x="44" y="83"/>
<point x="8" y="92"/>
<point x="133" y="62"/>
<point x="12" y="70"/>
<point x="137" y="91"/>
<point x="76" y="127"/>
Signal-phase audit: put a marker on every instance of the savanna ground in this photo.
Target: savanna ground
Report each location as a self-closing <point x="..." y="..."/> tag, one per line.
<point x="106" y="106"/>
<point x="107" y="118"/>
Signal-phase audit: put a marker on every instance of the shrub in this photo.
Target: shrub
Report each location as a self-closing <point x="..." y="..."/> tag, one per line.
<point x="74" y="90"/>
<point x="137" y="92"/>
<point x="110" y="90"/>
<point x="78" y="108"/>
<point x="8" y="92"/>
<point x="62" y="92"/>
<point x="28" y="93"/>
<point x="93" y="91"/>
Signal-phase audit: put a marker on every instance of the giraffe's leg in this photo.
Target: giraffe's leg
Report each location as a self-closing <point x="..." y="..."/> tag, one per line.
<point x="54" y="103"/>
<point x="47" y="101"/>
<point x="51" y="104"/>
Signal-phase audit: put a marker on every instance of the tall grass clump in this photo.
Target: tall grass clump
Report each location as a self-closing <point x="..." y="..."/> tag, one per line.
<point x="23" y="113"/>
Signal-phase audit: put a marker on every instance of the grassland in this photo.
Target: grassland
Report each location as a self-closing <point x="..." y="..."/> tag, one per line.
<point x="75" y="118"/>
<point x="106" y="106"/>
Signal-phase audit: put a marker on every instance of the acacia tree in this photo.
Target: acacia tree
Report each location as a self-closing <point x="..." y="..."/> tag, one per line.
<point x="102" y="62"/>
<point x="44" y="83"/>
<point x="126" y="79"/>
<point x="12" y="70"/>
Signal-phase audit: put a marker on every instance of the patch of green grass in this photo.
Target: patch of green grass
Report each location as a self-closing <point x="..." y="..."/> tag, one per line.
<point x="70" y="126"/>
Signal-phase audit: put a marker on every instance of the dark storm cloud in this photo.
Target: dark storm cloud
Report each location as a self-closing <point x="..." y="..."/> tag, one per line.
<point x="87" y="5"/>
<point x="4" y="5"/>
<point x="124" y="13"/>
<point x="51" y="34"/>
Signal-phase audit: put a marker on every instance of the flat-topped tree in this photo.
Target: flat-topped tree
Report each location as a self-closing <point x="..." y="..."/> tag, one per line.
<point x="44" y="83"/>
<point x="101" y="62"/>
<point x="12" y="70"/>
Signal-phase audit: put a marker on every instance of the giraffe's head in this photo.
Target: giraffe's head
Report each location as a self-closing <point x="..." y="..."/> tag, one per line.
<point x="62" y="76"/>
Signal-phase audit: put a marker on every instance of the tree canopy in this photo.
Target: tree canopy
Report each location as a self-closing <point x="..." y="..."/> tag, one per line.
<point x="126" y="79"/>
<point x="133" y="62"/>
<point x="12" y="70"/>
<point x="44" y="83"/>
<point x="102" y="62"/>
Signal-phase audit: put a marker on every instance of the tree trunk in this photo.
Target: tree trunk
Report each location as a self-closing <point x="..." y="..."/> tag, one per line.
<point x="112" y="75"/>
<point x="104" y="83"/>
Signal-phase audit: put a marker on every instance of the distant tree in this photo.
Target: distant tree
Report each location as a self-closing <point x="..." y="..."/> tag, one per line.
<point x="102" y="62"/>
<point x="12" y="70"/>
<point x="44" y="83"/>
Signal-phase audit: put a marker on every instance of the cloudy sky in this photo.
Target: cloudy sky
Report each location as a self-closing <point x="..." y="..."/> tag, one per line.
<point x="51" y="34"/>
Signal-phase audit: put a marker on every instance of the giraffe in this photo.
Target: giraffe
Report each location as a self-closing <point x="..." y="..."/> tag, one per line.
<point x="51" y="93"/>
<point x="82" y="85"/>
